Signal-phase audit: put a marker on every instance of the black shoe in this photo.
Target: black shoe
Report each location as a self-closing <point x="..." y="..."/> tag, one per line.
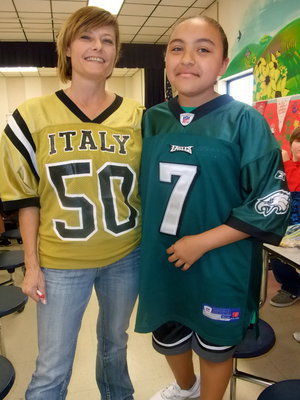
<point x="4" y="242"/>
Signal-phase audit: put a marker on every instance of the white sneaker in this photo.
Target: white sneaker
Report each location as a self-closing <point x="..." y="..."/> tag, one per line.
<point x="174" y="392"/>
<point x="297" y="336"/>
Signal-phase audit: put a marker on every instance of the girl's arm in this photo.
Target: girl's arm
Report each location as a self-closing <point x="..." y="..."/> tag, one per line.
<point x="29" y="220"/>
<point x="189" y="249"/>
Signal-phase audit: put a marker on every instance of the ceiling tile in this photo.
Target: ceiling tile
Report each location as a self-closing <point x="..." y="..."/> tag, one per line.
<point x="128" y="29"/>
<point x="152" y="30"/>
<point x="7" y="15"/>
<point x="35" y="17"/>
<point x="169" y="11"/>
<point x="203" y="3"/>
<point x="7" y="5"/>
<point x="193" y="11"/>
<point x="12" y="36"/>
<point x="39" y="36"/>
<point x="37" y="27"/>
<point x="182" y="3"/>
<point x="157" y="21"/>
<point x="67" y="6"/>
<point x="143" y="21"/>
<point x="32" y="5"/>
<point x="142" y="1"/>
<point x="127" y="20"/>
<point x="60" y="16"/>
<point x="9" y="26"/>
<point x="136" y="9"/>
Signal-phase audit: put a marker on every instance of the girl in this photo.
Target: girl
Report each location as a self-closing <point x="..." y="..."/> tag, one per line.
<point x="213" y="189"/>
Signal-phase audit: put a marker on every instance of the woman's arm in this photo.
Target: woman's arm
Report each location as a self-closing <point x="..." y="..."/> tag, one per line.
<point x="29" y="220"/>
<point x="189" y="249"/>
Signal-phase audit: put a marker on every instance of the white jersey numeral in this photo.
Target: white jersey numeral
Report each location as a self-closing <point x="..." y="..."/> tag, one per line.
<point x="186" y="175"/>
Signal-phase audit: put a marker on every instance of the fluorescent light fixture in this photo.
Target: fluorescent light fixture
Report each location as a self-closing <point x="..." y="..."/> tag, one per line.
<point x="113" y="6"/>
<point x="18" y="69"/>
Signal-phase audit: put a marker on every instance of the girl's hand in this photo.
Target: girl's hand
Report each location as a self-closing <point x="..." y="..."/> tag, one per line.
<point x="186" y="251"/>
<point x="189" y="249"/>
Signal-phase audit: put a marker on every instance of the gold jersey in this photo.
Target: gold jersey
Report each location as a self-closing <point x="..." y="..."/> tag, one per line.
<point x="82" y="173"/>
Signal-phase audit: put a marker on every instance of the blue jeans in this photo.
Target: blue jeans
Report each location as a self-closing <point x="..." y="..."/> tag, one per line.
<point x="287" y="276"/>
<point x="59" y="321"/>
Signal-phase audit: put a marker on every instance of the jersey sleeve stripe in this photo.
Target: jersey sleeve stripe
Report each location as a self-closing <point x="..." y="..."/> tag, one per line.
<point x="20" y="141"/>
<point x="13" y="205"/>
<point x="24" y="128"/>
<point x="263" y="236"/>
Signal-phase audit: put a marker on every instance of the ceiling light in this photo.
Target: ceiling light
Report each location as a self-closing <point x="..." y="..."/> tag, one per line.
<point x="112" y="6"/>
<point x="18" y="69"/>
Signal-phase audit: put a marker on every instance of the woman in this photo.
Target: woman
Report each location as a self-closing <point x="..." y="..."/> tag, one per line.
<point x="71" y="168"/>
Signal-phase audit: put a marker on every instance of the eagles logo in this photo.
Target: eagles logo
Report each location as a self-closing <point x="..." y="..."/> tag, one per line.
<point x="277" y="202"/>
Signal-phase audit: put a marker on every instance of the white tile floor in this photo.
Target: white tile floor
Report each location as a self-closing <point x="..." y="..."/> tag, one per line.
<point x="148" y="370"/>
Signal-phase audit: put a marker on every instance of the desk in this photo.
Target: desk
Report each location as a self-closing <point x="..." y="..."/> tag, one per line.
<point x="288" y="255"/>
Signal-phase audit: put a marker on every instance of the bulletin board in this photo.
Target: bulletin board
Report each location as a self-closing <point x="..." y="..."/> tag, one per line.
<point x="283" y="116"/>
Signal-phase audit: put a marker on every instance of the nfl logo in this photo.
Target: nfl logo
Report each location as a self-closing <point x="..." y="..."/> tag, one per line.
<point x="186" y="118"/>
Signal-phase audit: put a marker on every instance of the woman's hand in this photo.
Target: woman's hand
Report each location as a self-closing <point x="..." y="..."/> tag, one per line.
<point x="34" y="284"/>
<point x="186" y="251"/>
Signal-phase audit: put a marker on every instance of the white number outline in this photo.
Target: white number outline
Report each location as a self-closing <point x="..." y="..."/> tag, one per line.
<point x="78" y="196"/>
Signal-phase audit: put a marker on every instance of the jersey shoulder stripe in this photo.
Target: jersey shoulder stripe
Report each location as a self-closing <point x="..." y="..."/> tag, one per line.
<point x="18" y="133"/>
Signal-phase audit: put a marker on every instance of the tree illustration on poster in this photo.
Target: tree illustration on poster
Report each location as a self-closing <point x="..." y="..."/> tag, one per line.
<point x="268" y="41"/>
<point x="275" y="56"/>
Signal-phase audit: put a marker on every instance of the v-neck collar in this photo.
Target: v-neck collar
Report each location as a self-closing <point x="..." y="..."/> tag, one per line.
<point x="200" y="111"/>
<point x="79" y="114"/>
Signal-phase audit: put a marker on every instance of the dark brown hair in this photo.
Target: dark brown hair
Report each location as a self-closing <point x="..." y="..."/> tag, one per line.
<point x="213" y="22"/>
<point x="295" y="135"/>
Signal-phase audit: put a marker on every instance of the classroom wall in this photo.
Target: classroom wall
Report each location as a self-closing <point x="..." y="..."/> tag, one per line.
<point x="15" y="90"/>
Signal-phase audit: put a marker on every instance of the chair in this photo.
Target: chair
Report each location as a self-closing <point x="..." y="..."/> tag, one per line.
<point x="9" y="261"/>
<point x="7" y="376"/>
<point x="12" y="234"/>
<point x="253" y="346"/>
<point x="284" y="390"/>
<point x="12" y="299"/>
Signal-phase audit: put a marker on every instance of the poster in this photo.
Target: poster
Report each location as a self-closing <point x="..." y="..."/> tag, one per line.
<point x="283" y="116"/>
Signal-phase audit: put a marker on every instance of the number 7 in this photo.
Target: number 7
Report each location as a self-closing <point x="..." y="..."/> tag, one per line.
<point x="179" y="193"/>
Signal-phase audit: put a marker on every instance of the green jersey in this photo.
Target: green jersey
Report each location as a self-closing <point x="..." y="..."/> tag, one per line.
<point x="219" y="164"/>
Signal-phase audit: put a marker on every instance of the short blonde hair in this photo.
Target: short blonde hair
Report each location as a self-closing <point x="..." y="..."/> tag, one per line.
<point x="85" y="18"/>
